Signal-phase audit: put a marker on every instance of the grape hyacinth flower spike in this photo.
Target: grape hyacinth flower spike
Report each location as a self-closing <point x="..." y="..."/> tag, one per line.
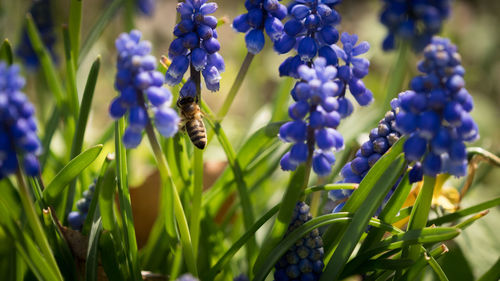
<point x="196" y="44"/>
<point x="310" y="29"/>
<point x="316" y="99"/>
<point x="261" y="15"/>
<point x="304" y="260"/>
<point x="42" y="16"/>
<point x="136" y="80"/>
<point x="18" y="129"/>
<point x="436" y="114"/>
<point x="353" y="70"/>
<point x="381" y="138"/>
<point x="413" y="21"/>
<point x="77" y="218"/>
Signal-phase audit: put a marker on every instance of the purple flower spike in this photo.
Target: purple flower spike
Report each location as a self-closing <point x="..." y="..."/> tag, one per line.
<point x="138" y="81"/>
<point x="18" y="136"/>
<point x="436" y="114"/>
<point x="196" y="44"/>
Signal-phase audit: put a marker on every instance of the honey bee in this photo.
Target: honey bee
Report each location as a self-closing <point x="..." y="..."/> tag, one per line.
<point x="192" y="121"/>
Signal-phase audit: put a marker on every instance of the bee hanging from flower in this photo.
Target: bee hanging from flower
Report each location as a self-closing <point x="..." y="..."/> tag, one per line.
<point x="192" y="120"/>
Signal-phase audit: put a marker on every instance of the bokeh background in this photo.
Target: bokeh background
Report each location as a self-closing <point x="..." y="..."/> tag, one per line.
<point x="472" y="26"/>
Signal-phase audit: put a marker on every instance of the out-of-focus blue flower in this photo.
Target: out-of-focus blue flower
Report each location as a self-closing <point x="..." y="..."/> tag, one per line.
<point x="137" y="81"/>
<point x="413" y="21"/>
<point x="196" y="44"/>
<point x="435" y="113"/>
<point x="304" y="260"/>
<point x="311" y="30"/>
<point x="241" y="277"/>
<point x="77" y="218"/>
<point x="261" y="15"/>
<point x="18" y="136"/>
<point x="147" y="7"/>
<point x="42" y="16"/>
<point x="187" y="277"/>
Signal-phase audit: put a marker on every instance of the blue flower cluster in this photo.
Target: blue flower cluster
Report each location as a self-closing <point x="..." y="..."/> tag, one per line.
<point x="147" y="7"/>
<point x="435" y="114"/>
<point x="380" y="140"/>
<point x="77" y="218"/>
<point x="137" y="79"/>
<point x="413" y="21"/>
<point x="262" y="15"/>
<point x="311" y="29"/>
<point x="304" y="260"/>
<point x="196" y="44"/>
<point x="42" y="16"/>
<point x="17" y="125"/>
<point x="320" y="97"/>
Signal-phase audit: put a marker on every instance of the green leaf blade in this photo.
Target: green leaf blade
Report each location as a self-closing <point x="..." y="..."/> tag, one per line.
<point x="69" y="172"/>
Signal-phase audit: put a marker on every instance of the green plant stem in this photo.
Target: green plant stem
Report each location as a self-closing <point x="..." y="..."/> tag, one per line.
<point x="294" y="192"/>
<point x="198" y="176"/>
<point x="246" y="203"/>
<point x="178" y="209"/>
<point x="75" y="21"/>
<point x="129" y="14"/>
<point x="35" y="225"/>
<point x="396" y="76"/>
<point x="236" y="86"/>
<point x="97" y="29"/>
<point x="420" y="212"/>
<point x="125" y="203"/>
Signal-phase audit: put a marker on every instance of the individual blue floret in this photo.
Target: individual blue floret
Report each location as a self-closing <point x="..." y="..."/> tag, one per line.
<point x="262" y="15"/>
<point x="196" y="44"/>
<point x="241" y="277"/>
<point x="435" y="114"/>
<point x="146" y="7"/>
<point x="18" y="130"/>
<point x="42" y="16"/>
<point x="304" y="260"/>
<point x="138" y="81"/>
<point x="415" y="21"/>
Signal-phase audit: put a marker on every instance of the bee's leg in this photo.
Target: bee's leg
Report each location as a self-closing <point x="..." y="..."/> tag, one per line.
<point x="182" y="124"/>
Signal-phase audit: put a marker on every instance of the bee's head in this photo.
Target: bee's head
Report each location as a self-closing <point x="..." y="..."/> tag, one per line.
<point x="186" y="104"/>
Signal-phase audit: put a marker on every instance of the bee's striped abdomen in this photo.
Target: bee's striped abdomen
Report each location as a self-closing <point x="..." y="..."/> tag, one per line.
<point x="197" y="133"/>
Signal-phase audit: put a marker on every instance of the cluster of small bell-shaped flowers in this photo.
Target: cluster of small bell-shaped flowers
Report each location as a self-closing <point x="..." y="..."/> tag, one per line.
<point x="316" y="114"/>
<point x="381" y="138"/>
<point x="311" y="30"/>
<point x="18" y="136"/>
<point x="196" y="44"/>
<point x="304" y="260"/>
<point x="435" y="114"/>
<point x="146" y="7"/>
<point x="77" y="218"/>
<point x="413" y="21"/>
<point x="42" y="16"/>
<point x="136" y="80"/>
<point x="261" y="15"/>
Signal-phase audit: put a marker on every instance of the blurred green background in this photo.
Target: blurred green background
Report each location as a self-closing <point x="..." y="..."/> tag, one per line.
<point x="472" y="26"/>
